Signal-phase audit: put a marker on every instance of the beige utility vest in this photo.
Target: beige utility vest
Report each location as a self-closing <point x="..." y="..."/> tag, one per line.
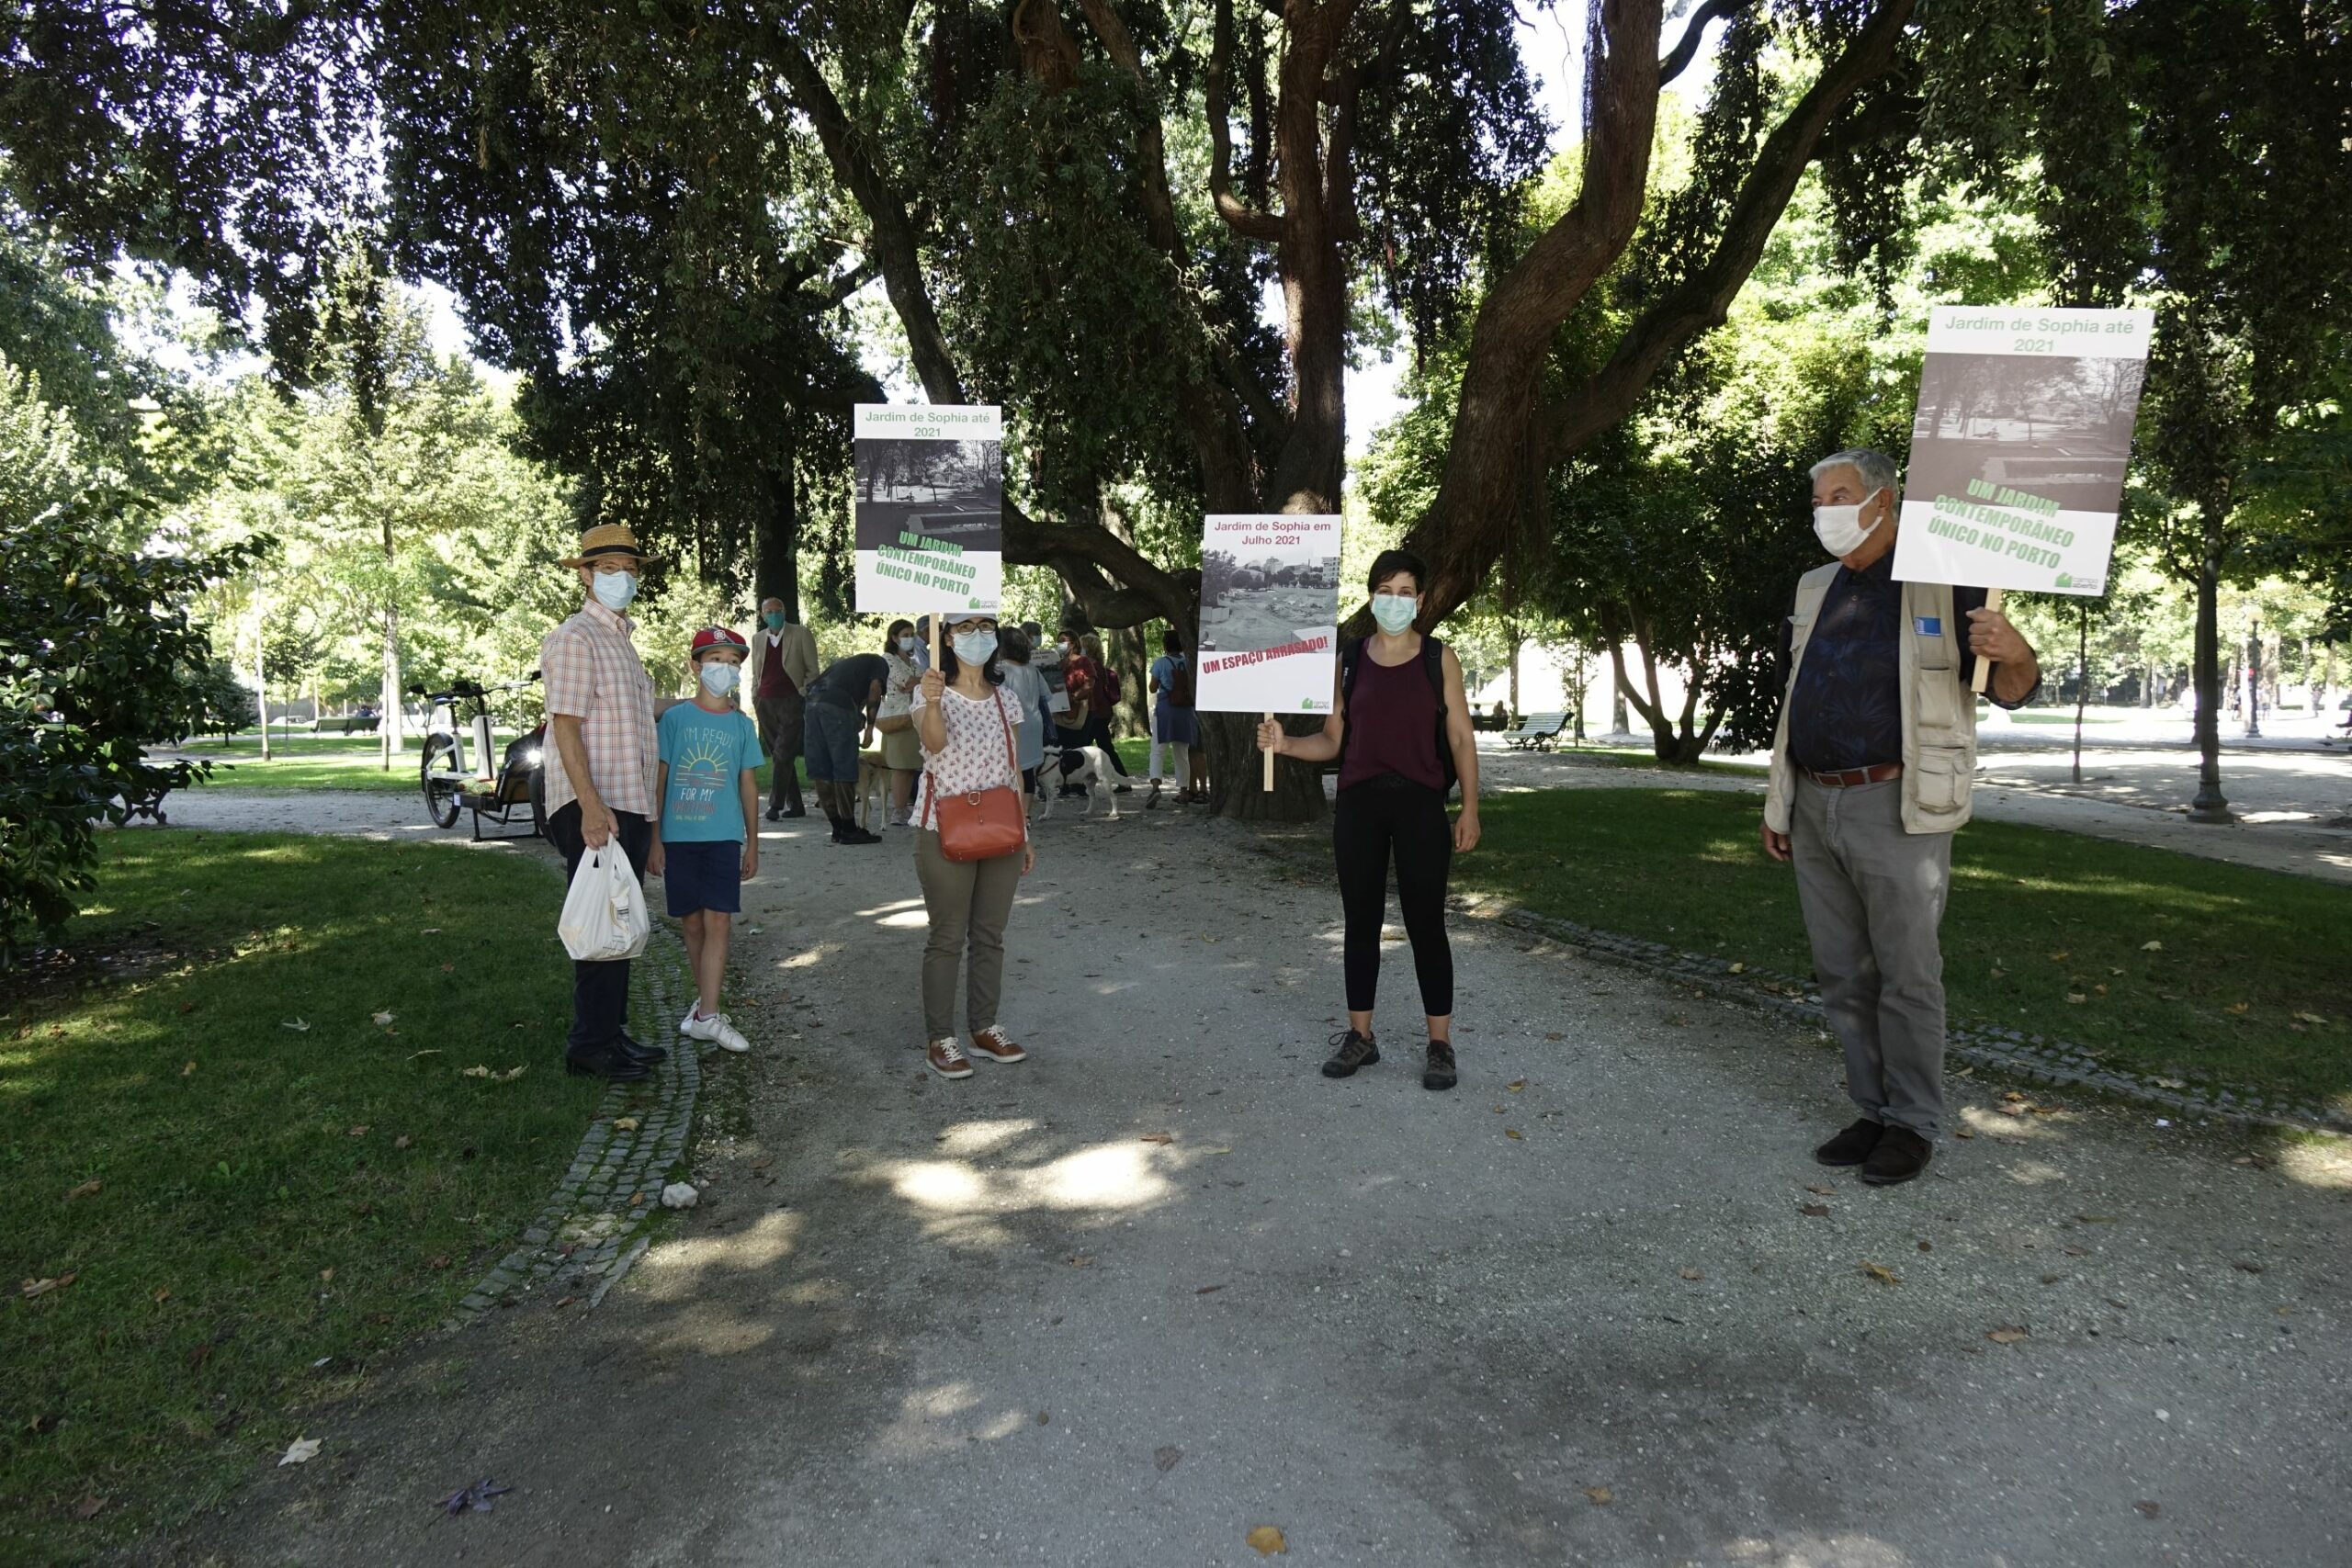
<point x="1939" y="711"/>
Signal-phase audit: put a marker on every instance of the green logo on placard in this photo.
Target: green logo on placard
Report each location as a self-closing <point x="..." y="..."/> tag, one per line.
<point x="2065" y="580"/>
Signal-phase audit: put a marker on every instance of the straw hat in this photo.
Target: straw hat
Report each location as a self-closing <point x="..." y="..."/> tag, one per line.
<point x="606" y="540"/>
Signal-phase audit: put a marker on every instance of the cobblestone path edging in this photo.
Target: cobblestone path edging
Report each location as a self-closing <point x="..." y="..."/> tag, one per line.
<point x="592" y="1229"/>
<point x="2031" y="1057"/>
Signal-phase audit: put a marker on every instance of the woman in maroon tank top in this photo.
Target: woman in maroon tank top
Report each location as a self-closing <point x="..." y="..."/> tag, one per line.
<point x="1394" y="734"/>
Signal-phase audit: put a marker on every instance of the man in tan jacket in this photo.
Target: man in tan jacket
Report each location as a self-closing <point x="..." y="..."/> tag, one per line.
<point x="783" y="663"/>
<point x="1871" y="768"/>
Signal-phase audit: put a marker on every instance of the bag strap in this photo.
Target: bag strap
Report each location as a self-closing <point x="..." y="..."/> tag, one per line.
<point x="1011" y="758"/>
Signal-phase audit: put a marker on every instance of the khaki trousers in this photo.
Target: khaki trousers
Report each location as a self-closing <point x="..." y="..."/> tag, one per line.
<point x="1874" y="898"/>
<point x="969" y="902"/>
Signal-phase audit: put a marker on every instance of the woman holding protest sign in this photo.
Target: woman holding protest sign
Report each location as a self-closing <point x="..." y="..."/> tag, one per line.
<point x="1400" y="728"/>
<point x="972" y="844"/>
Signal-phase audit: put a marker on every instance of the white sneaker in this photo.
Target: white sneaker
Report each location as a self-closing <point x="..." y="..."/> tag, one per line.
<point x="715" y="1027"/>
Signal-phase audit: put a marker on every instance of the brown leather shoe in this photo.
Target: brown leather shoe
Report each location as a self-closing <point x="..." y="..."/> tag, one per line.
<point x="948" y="1058"/>
<point x="1851" y="1147"/>
<point x="992" y="1044"/>
<point x="1901" y="1154"/>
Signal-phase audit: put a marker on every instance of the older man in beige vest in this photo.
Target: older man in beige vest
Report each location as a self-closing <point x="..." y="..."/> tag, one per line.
<point x="782" y="666"/>
<point x="1871" y="766"/>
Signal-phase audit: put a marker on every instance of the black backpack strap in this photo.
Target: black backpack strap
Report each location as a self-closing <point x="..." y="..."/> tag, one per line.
<point x="1433" y="665"/>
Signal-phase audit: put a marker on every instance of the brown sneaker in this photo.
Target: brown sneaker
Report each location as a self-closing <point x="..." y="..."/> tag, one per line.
<point x="948" y="1058"/>
<point x="991" y="1045"/>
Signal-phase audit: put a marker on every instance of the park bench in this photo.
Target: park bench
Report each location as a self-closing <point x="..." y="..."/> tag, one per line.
<point x="346" y="724"/>
<point x="1537" y="732"/>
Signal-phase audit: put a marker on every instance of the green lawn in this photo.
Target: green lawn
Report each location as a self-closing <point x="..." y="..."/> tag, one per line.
<point x="241" y="1215"/>
<point x="2036" y="917"/>
<point x="305" y="762"/>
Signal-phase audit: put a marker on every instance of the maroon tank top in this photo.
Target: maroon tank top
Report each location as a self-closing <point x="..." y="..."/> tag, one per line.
<point x="1392" y="724"/>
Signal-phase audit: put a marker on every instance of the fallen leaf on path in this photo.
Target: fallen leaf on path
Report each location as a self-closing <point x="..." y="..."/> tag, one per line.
<point x="360" y="1131"/>
<point x="326" y="1276"/>
<point x="2097" y="1219"/>
<point x="1814" y="1211"/>
<point x="1516" y="1085"/>
<point x="1963" y="1132"/>
<point x="382" y="1019"/>
<point x="402" y="1142"/>
<point x="90" y="1188"/>
<point x="1693" y="1274"/>
<point x="2247" y="1265"/>
<point x="2146" y="1509"/>
<point x="1739" y="969"/>
<point x="299" y="1026"/>
<point x="1208" y="1290"/>
<point x="1926" y="1246"/>
<point x="2077" y="997"/>
<point x="1821" y="1191"/>
<point x="2007" y="1334"/>
<point x="1045" y="1417"/>
<point x="624" y="1123"/>
<point x="1512" y="1134"/>
<point x="87" y="1508"/>
<point x="2061" y="955"/>
<point x="1165" y="1460"/>
<point x="1080" y="1260"/>
<point x="1266" y="1541"/>
<point x="1601" y="1495"/>
<point x="188" y="1070"/>
<point x="1159" y="1137"/>
<point x="430" y="931"/>
<point x="31" y="1288"/>
<point x="302" y="1450"/>
<point x="2238" y="1009"/>
<point x="565" y="1302"/>
<point x="2152" y="947"/>
<point x="1556" y="1035"/>
<point x="475" y="1498"/>
<point x="438" y="1261"/>
<point x="162" y="1295"/>
<point x="1880" y="1272"/>
<point x="2312" y="1017"/>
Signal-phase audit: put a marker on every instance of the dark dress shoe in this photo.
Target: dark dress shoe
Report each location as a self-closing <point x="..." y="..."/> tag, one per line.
<point x="612" y="1062"/>
<point x="795" y="811"/>
<point x="638" y="1051"/>
<point x="1901" y="1154"/>
<point x="775" y="813"/>
<point x="1851" y="1147"/>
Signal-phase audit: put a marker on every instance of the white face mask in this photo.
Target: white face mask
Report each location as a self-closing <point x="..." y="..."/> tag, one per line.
<point x="908" y="643"/>
<point x="974" y="647"/>
<point x="1840" y="528"/>
<point x="1395" y="612"/>
<point x="613" y="590"/>
<point x="719" y="679"/>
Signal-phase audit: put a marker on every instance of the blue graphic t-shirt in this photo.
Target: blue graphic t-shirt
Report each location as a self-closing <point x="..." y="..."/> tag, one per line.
<point x="705" y="751"/>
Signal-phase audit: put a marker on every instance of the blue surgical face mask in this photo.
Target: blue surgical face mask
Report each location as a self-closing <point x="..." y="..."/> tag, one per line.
<point x="1395" y="612"/>
<point x="613" y="589"/>
<point x="719" y="679"/>
<point x="974" y="647"/>
<point x="908" y="643"/>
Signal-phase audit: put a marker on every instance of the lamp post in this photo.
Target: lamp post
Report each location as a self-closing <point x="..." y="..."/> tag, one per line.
<point x="2254" y="681"/>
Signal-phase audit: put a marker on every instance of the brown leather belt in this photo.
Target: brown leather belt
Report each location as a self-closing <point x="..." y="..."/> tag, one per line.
<point x="1877" y="774"/>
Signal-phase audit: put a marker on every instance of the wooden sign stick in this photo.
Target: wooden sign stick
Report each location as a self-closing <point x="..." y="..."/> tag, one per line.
<point x="935" y="619"/>
<point x="1269" y="763"/>
<point x="1985" y="666"/>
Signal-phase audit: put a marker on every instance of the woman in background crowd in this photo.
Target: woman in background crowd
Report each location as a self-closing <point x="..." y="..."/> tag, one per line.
<point x="895" y="720"/>
<point x="1025" y="687"/>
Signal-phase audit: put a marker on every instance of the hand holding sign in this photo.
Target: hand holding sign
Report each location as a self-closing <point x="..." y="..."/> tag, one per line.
<point x="1270" y="598"/>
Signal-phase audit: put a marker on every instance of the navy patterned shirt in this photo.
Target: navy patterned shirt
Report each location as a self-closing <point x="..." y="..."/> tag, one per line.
<point x="1846" y="709"/>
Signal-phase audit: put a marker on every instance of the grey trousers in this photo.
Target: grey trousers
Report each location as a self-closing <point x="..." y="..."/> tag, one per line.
<point x="969" y="902"/>
<point x="1873" y="896"/>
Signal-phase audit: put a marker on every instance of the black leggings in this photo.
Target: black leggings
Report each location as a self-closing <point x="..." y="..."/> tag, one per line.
<point x="1370" y="819"/>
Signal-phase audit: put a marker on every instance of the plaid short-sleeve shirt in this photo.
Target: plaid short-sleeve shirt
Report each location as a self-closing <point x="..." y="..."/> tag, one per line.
<point x="591" y="671"/>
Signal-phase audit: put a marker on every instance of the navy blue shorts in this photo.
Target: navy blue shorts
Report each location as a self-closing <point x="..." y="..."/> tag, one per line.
<point x="829" y="742"/>
<point x="704" y="876"/>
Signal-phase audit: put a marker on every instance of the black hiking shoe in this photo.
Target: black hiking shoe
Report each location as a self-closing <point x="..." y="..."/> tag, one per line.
<point x="1851" y="1147"/>
<point x="1437" y="1069"/>
<point x="1901" y="1154"/>
<point x="1349" y="1052"/>
<point x="639" y="1051"/>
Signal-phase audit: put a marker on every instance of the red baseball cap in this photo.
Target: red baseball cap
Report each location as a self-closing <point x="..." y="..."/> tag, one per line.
<point x="717" y="637"/>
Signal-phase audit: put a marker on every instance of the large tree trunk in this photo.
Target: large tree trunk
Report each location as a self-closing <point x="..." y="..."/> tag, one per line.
<point x="776" y="545"/>
<point x="1237" y="773"/>
<point x="2209" y="805"/>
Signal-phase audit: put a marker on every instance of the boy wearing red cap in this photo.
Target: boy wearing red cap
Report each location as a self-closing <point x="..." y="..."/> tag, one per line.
<point x="704" y="846"/>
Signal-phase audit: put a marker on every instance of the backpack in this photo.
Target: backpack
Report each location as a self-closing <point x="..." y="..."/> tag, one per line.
<point x="1177" y="690"/>
<point x="1433" y="666"/>
<point x="1109" y="683"/>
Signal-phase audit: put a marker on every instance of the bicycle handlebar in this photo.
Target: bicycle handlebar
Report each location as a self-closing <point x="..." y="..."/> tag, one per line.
<point x="473" y="689"/>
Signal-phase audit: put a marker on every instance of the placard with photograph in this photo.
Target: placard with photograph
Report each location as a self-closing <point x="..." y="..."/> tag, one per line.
<point x="2018" y="446"/>
<point x="1270" y="602"/>
<point x="928" y="497"/>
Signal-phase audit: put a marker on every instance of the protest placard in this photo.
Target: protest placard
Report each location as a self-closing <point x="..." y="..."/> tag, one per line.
<point x="1269" y="612"/>
<point x="2018" y="446"/>
<point x="928" y="499"/>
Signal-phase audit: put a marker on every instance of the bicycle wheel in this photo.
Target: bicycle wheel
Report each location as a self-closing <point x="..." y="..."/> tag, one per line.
<point x="442" y="779"/>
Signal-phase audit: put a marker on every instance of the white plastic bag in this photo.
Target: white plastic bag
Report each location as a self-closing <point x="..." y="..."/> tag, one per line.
<point x="604" y="916"/>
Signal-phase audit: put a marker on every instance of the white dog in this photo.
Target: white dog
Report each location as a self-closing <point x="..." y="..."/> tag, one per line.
<point x="1092" y="775"/>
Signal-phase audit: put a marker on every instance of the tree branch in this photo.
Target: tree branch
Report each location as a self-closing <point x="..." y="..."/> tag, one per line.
<point x="1687" y="50"/>
<point x="1243" y="219"/>
<point x="1702" y="300"/>
<point x="893" y="243"/>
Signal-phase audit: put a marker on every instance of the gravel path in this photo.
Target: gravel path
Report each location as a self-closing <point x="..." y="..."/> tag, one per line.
<point x="1163" y="1284"/>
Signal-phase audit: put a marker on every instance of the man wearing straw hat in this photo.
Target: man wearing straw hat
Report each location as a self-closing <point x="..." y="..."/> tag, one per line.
<point x="599" y="775"/>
